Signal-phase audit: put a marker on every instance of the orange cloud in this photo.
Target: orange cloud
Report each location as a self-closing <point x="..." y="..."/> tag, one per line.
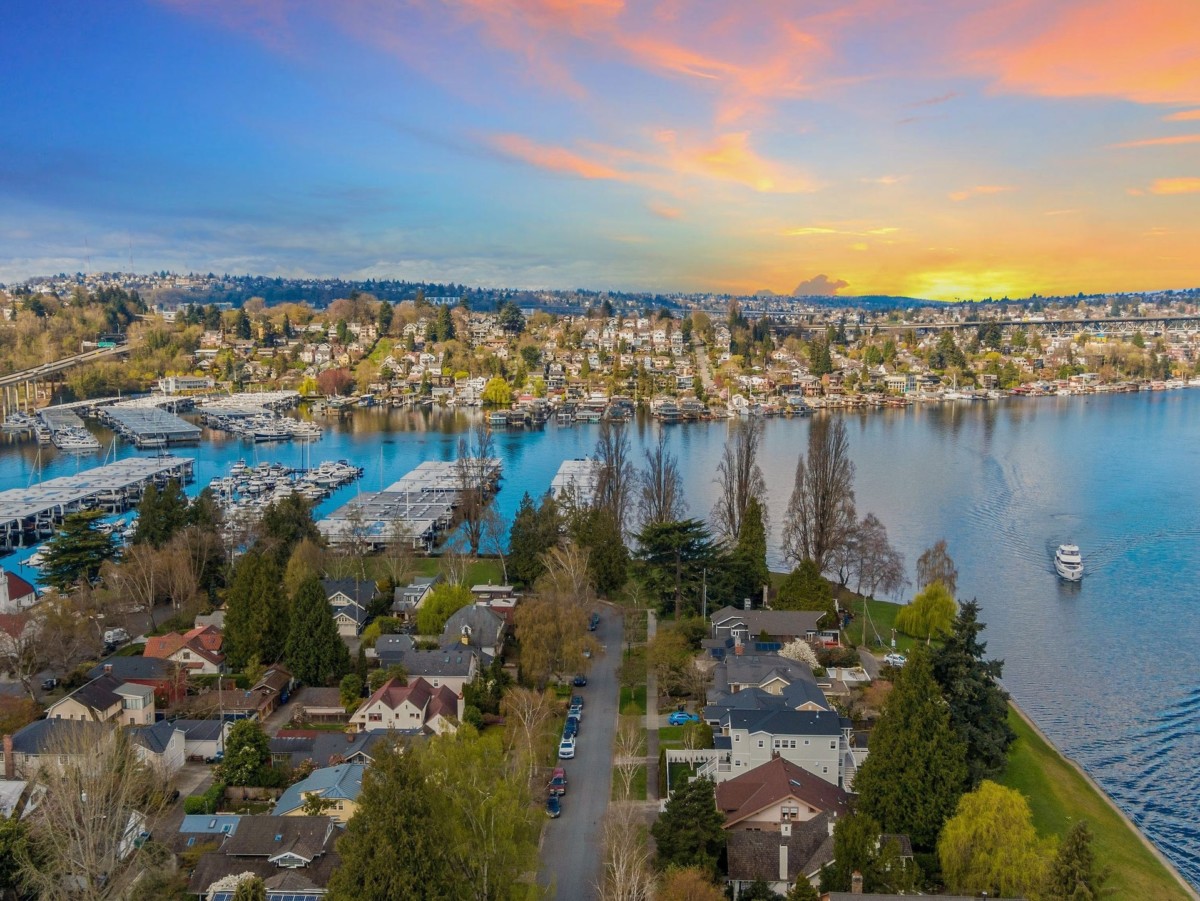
<point x="662" y="210"/>
<point x="1161" y="142"/>
<point x="1141" y="50"/>
<point x="978" y="191"/>
<point x="555" y="159"/>
<point x="1175" y="186"/>
<point x="1188" y="115"/>
<point x="732" y="159"/>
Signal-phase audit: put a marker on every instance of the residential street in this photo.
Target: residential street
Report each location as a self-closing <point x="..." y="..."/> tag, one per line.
<point x="573" y="845"/>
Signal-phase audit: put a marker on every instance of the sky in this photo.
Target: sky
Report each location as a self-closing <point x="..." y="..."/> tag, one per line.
<point x="934" y="148"/>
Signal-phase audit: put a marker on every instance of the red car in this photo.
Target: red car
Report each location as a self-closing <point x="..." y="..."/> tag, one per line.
<point x="558" y="781"/>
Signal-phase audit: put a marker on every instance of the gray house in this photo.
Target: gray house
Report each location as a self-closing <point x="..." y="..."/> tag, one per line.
<point x="475" y="627"/>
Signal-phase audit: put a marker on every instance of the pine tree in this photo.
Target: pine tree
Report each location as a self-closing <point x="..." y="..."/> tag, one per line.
<point x="77" y="550"/>
<point x="256" y="611"/>
<point x="161" y="514"/>
<point x="397" y="844"/>
<point x="748" y="562"/>
<point x="315" y="652"/>
<point x="1074" y="874"/>
<point x="525" y="546"/>
<point x="978" y="705"/>
<point x="916" y="771"/>
<point x="284" y="524"/>
<point x="690" y="831"/>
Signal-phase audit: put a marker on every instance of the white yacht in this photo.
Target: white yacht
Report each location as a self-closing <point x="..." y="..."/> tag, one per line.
<point x="1067" y="562"/>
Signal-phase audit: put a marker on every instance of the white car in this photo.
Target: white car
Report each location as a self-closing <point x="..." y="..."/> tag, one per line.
<point x="566" y="749"/>
<point x="895" y="660"/>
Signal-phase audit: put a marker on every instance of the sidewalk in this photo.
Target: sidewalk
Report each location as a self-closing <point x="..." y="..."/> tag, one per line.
<point x="651" y="716"/>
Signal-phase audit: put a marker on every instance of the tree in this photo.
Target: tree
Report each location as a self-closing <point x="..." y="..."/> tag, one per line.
<point x="803" y="890"/>
<point x="935" y="565"/>
<point x="1074" y="873"/>
<point x="247" y="754"/>
<point x="496" y="393"/>
<point x="800" y="650"/>
<point x="990" y="845"/>
<point x="690" y="832"/>
<point x="315" y="652"/>
<point x="669" y="656"/>
<point x="615" y="473"/>
<point x="528" y="540"/>
<point x="77" y="550"/>
<point x="332" y="382"/>
<point x="629" y="754"/>
<point x="747" y="564"/>
<point x="916" y="771"/>
<point x="595" y="530"/>
<point x="476" y="468"/>
<point x="739" y="478"/>
<point x="971" y="686"/>
<point x="530" y="713"/>
<point x="446" y="599"/>
<point x="930" y="614"/>
<point x="627" y="872"/>
<point x="398" y="843"/>
<point x="661" y="497"/>
<point x="383" y="317"/>
<point x="161" y="514"/>
<point x="671" y="562"/>
<point x="307" y="560"/>
<point x="871" y="560"/>
<point x="350" y="690"/>
<point x="805" y="588"/>
<point x="689" y="884"/>
<point x="14" y="846"/>
<point x="252" y="888"/>
<point x="510" y="318"/>
<point x="820" y="516"/>
<point x="91" y="769"/>
<point x="256" y="611"/>
<point x="758" y="890"/>
<point x="551" y="628"/>
<point x="284" y="524"/>
<point x="495" y="827"/>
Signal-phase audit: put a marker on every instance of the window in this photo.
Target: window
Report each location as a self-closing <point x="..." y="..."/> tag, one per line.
<point x="737" y="738"/>
<point x="375" y="717"/>
<point x="806" y="742"/>
<point x="760" y="742"/>
<point x="824" y="769"/>
<point x="833" y="745"/>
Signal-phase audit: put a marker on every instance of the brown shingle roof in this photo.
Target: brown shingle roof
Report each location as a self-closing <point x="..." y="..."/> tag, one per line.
<point x="773" y="782"/>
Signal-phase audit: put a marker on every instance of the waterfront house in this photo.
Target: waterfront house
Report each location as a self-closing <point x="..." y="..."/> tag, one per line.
<point x="771" y="672"/>
<point x="16" y="594"/>
<point x="765" y="630"/>
<point x="818" y="741"/>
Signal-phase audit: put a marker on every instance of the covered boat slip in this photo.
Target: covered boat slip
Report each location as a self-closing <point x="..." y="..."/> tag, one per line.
<point x="29" y="514"/>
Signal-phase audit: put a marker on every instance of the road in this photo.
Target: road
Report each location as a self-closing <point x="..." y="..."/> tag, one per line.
<point x="573" y="845"/>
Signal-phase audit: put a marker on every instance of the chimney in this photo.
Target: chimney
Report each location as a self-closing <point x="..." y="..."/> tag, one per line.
<point x="856" y="883"/>
<point x="10" y="764"/>
<point x="746" y="603"/>
<point x="737" y="650"/>
<point x="766" y="596"/>
<point x="108" y="668"/>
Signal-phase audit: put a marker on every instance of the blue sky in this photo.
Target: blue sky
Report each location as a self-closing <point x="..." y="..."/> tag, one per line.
<point x="935" y="148"/>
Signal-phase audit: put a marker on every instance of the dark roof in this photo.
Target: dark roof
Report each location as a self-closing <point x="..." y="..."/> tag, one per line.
<point x="353" y="611"/>
<point x="745" y="795"/>
<point x="453" y="661"/>
<point x="785" y="722"/>
<point x="321" y="747"/>
<point x="320" y="697"/>
<point x="200" y="730"/>
<point x="217" y="865"/>
<point x="773" y="622"/>
<point x="269" y="836"/>
<point x="41" y="736"/>
<point x="99" y="694"/>
<point x="755" y="669"/>
<point x="722" y="702"/>
<point x="156" y="738"/>
<point x="18" y="588"/>
<point x="755" y="855"/>
<point x="126" y="668"/>
<point x="485" y="625"/>
<point x="360" y="592"/>
<point x="801" y="692"/>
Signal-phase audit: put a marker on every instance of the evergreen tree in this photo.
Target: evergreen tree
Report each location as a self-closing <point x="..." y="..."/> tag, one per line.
<point x="284" y="524"/>
<point x="527" y="543"/>
<point x="916" y="771"/>
<point x="247" y="754"/>
<point x="204" y="511"/>
<point x="805" y="588"/>
<point x="445" y="324"/>
<point x="690" y="831"/>
<point x="672" y="558"/>
<point x="383" y="318"/>
<point x="978" y="705"/>
<point x="241" y="325"/>
<point x="315" y="652"/>
<point x="161" y="514"/>
<point x="748" y="561"/>
<point x="398" y="843"/>
<point x="77" y="550"/>
<point x="608" y="559"/>
<point x="803" y="890"/>
<point x="1074" y="873"/>
<point x="855" y="838"/>
<point x="256" y="611"/>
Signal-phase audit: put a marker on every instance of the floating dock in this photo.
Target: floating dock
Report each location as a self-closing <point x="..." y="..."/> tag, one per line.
<point x="576" y="481"/>
<point x="148" y="425"/>
<point x="415" y="508"/>
<point x="28" y="515"/>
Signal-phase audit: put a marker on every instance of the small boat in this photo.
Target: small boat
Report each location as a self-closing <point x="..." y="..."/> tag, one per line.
<point x="1068" y="563"/>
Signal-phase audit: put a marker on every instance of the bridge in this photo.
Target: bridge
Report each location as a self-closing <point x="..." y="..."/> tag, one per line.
<point x="11" y="383"/>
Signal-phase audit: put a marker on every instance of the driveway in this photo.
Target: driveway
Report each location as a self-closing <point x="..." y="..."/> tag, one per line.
<point x="573" y="845"/>
<point x="870" y="662"/>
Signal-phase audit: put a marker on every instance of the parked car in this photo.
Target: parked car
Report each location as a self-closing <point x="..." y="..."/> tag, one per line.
<point x="579" y="681"/>
<point x="575" y="711"/>
<point x="895" y="660"/>
<point x="558" y="785"/>
<point x="571" y="729"/>
<point x="553" y="807"/>
<point x="682" y="718"/>
<point x="594" y="622"/>
<point x="49" y="684"/>
<point x="115" y="636"/>
<point x="566" y="748"/>
<point x="577" y="701"/>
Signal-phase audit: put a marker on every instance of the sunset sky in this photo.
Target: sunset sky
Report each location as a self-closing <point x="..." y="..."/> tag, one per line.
<point x="935" y="148"/>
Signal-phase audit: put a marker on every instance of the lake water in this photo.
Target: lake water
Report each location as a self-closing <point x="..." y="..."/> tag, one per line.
<point x="1104" y="667"/>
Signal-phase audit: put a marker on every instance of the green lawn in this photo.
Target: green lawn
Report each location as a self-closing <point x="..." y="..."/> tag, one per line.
<point x="637" y="788"/>
<point x="670" y="736"/>
<point x="635" y="699"/>
<point x="479" y="572"/>
<point x="1058" y="795"/>
<point x="381" y="351"/>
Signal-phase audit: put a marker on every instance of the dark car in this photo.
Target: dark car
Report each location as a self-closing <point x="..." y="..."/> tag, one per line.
<point x="577" y="701"/>
<point x="553" y="806"/>
<point x="594" y="622"/>
<point x="579" y="681"/>
<point x="571" y="729"/>
<point x="49" y="684"/>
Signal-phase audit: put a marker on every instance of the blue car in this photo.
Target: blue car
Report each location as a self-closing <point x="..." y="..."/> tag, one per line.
<point x="553" y="806"/>
<point x="682" y="718"/>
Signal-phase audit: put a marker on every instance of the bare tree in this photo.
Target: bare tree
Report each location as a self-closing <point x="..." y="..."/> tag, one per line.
<point x="66" y="630"/>
<point x="879" y="567"/>
<point x="739" y="478"/>
<point x="137" y="577"/>
<point x="476" y="467"/>
<point x="567" y="574"/>
<point x="398" y="558"/>
<point x="662" y="497"/>
<point x="935" y="565"/>
<point x="629" y="753"/>
<point x="628" y="874"/>
<point x="21" y="650"/>
<point x="530" y="713"/>
<point x="820" y="516"/>
<point x="495" y="538"/>
<point x="98" y="794"/>
<point x="552" y="629"/>
<point x="615" y="474"/>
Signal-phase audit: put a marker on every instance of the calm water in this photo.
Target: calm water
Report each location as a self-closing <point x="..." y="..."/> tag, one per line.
<point x="1103" y="667"/>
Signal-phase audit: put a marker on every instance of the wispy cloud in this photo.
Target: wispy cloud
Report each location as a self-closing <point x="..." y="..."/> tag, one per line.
<point x="664" y="210"/>
<point x="1175" y="186"/>
<point x="886" y="180"/>
<point x="978" y="191"/>
<point x="555" y="159"/>
<point x="934" y="101"/>
<point x="1187" y="115"/>
<point x="819" y="230"/>
<point x="1160" y="142"/>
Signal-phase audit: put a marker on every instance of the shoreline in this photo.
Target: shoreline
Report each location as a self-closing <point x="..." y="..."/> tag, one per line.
<point x="1186" y="886"/>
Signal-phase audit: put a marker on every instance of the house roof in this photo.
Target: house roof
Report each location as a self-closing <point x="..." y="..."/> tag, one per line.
<point x="212" y="824"/>
<point x="485" y="625"/>
<point x="100" y="694"/>
<point x="452" y="662"/>
<point x="358" y="591"/>
<point x="797" y="694"/>
<point x="156" y="738"/>
<point x="785" y="722"/>
<point x="342" y="782"/>
<point x="18" y="588"/>
<point x="42" y="736"/>
<point x="200" y="730"/>
<point x="351" y="611"/>
<point x="129" y="668"/>
<point x="208" y="637"/>
<point x="163" y="645"/>
<point x="773" y="622"/>
<point x="756" y="855"/>
<point x="721" y="702"/>
<point x="775" y="781"/>
<point x="759" y="669"/>
<point x="13" y="624"/>
<point x="270" y="836"/>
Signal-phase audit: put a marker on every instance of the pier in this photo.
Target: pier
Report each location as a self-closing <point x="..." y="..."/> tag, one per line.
<point x="28" y="515"/>
<point x="416" y="508"/>
<point x="147" y="424"/>
<point x="575" y="481"/>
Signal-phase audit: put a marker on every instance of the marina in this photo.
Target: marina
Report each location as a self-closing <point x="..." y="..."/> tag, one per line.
<point x="255" y="417"/>
<point x="575" y="481"/>
<point x="28" y="515"/>
<point x="416" y="508"/>
<point x="148" y="425"/>
<point x="248" y="490"/>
